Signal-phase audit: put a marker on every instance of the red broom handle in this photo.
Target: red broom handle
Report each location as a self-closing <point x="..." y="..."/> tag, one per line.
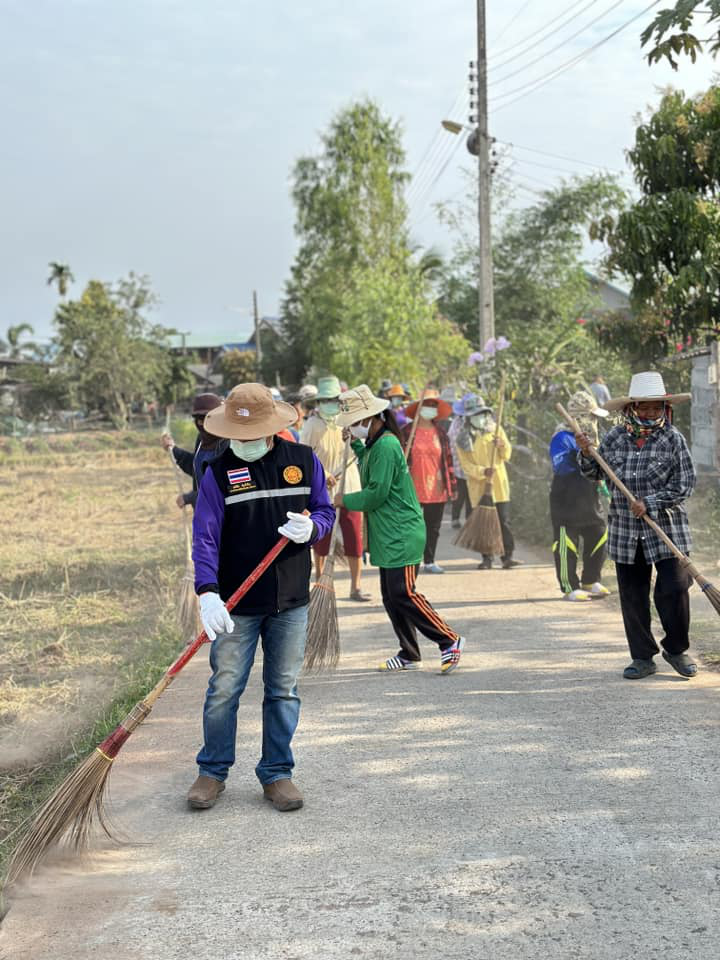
<point x="248" y="582"/>
<point x="112" y="744"/>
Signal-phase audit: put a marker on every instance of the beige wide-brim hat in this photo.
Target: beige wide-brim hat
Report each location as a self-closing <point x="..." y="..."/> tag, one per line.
<point x="583" y="403"/>
<point x="646" y="386"/>
<point x="359" y="404"/>
<point x="249" y="412"/>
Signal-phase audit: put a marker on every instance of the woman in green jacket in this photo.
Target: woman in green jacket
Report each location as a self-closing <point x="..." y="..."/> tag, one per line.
<point x="396" y="528"/>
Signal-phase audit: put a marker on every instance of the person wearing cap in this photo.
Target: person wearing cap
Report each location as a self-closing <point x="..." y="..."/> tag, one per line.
<point x="475" y="443"/>
<point x="308" y="399"/>
<point x="398" y="397"/>
<point x="462" y="495"/>
<point x="384" y="387"/>
<point x="324" y="436"/>
<point x="206" y="447"/>
<point x="396" y="529"/>
<point x="260" y="488"/>
<point x="431" y="468"/>
<point x="575" y="508"/>
<point x="652" y="459"/>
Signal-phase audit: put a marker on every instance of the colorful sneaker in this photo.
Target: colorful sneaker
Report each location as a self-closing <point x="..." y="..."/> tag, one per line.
<point x="577" y="596"/>
<point x="596" y="590"/>
<point x="399" y="663"/>
<point x="450" y="658"/>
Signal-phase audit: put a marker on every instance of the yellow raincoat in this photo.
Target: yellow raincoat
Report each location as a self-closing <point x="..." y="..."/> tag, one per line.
<point x="474" y="463"/>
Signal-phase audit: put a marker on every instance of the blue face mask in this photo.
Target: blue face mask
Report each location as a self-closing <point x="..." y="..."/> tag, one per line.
<point x="249" y="450"/>
<point x="329" y="409"/>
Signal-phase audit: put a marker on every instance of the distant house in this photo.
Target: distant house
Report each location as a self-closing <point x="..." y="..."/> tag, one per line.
<point x="613" y="299"/>
<point x="705" y="407"/>
<point x="209" y="349"/>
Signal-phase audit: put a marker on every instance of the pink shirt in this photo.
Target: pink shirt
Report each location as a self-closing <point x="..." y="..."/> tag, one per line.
<point x="426" y="466"/>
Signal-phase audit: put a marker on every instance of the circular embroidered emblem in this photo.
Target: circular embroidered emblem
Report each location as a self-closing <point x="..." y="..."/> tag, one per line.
<point x="292" y="475"/>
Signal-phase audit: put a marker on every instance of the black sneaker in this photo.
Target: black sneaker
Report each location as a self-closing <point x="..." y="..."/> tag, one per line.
<point x="639" y="669"/>
<point x="486" y="564"/>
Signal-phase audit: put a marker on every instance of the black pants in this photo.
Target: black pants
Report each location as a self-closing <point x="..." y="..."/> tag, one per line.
<point x="462" y="500"/>
<point x="566" y="547"/>
<point x="409" y="611"/>
<point x="433" y="519"/>
<point x="503" y="511"/>
<point x="671" y="599"/>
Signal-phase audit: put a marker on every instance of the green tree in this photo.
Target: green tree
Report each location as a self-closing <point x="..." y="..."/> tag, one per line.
<point x="668" y="241"/>
<point x="543" y="294"/>
<point x="354" y="257"/>
<point x="112" y="356"/>
<point x="238" y="366"/>
<point x="672" y="32"/>
<point x="14" y="346"/>
<point x="60" y="275"/>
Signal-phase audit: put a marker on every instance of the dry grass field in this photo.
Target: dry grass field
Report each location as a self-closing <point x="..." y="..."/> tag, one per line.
<point x="91" y="556"/>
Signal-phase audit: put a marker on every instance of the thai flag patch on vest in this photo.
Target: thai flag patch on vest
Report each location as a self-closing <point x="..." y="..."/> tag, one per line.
<point x="241" y="475"/>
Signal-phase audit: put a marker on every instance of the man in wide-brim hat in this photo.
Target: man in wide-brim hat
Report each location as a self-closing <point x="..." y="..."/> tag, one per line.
<point x="652" y="458"/>
<point x="259" y="488"/>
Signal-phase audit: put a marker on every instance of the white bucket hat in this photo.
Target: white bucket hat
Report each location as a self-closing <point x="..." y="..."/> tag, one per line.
<point x="359" y="404"/>
<point x="646" y="386"/>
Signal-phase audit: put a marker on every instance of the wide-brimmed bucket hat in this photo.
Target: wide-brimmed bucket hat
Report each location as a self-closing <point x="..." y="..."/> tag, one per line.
<point x="328" y="388"/>
<point x="646" y="386"/>
<point x="359" y="404"/>
<point x="250" y="412"/>
<point x="431" y="398"/>
<point x="397" y="390"/>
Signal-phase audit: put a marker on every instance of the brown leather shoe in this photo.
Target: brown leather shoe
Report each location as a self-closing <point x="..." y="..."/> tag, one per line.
<point x="283" y="795"/>
<point x="204" y="792"/>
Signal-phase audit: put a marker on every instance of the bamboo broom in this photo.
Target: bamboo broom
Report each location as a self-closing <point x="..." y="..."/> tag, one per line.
<point x="482" y="532"/>
<point x="186" y="610"/>
<point x="79" y="802"/>
<point x="323" y="637"/>
<point x="710" y="591"/>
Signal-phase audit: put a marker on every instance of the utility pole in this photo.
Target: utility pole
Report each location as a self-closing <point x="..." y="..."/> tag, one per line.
<point x="256" y="315"/>
<point x="478" y="101"/>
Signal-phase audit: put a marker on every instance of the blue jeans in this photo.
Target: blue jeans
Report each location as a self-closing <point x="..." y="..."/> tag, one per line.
<point x="231" y="659"/>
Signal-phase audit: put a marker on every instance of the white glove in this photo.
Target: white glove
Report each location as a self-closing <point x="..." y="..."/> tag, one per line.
<point x="299" y="528"/>
<point x="214" y="615"/>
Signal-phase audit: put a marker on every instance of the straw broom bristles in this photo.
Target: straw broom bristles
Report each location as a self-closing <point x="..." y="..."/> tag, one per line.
<point x="323" y="633"/>
<point x="710" y="591"/>
<point x="78" y="804"/>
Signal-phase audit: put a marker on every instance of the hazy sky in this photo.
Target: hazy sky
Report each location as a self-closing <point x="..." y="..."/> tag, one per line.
<point x="158" y="135"/>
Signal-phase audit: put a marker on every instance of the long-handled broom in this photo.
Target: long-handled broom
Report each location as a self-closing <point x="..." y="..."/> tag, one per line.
<point x="482" y="532"/>
<point x="323" y="636"/>
<point x="186" y="610"/>
<point x="710" y="591"/>
<point x="413" y="428"/>
<point x="79" y="802"/>
<point x="339" y="552"/>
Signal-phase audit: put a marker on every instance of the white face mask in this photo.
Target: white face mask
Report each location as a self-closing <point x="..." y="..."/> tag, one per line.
<point x="428" y="413"/>
<point x="481" y="421"/>
<point x="329" y="409"/>
<point x="249" y="450"/>
<point x="359" y="431"/>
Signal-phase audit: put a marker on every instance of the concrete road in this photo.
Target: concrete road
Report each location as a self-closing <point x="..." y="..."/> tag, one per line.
<point x="531" y="805"/>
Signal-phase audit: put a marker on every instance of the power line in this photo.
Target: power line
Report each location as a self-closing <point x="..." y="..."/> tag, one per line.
<point x="543" y="36"/>
<point x="534" y="85"/>
<point x="559" y="156"/>
<point x="563" y="43"/>
<point x="422" y="199"/>
<point x="559" y="16"/>
<point x="513" y="19"/>
<point x="438" y="138"/>
<point x="419" y="187"/>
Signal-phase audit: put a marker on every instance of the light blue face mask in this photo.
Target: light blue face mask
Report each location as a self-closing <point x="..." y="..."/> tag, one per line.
<point x="329" y="409"/>
<point x="249" y="450"/>
<point x="428" y="413"/>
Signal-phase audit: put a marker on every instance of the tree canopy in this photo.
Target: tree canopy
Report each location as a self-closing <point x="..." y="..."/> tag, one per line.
<point x="358" y="303"/>
<point x="668" y="241"/>
<point x="673" y="32"/>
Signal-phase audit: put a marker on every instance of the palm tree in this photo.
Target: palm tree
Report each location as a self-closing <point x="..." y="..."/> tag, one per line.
<point x="430" y="263"/>
<point x="61" y="274"/>
<point x="17" y="350"/>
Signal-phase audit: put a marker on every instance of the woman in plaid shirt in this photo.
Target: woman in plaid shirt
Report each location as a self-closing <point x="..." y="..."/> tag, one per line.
<point x="652" y="458"/>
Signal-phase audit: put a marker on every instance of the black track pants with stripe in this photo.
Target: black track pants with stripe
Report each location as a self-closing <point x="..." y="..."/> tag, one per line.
<point x="409" y="611"/>
<point x="566" y="547"/>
